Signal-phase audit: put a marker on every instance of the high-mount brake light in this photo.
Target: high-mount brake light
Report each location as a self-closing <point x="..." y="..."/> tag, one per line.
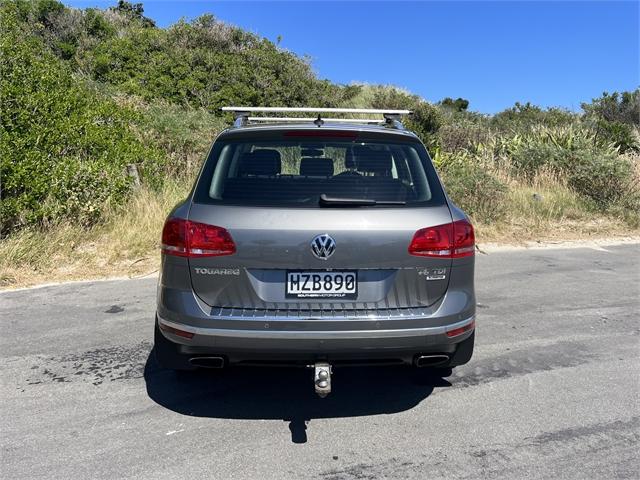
<point x="320" y="133"/>
<point x="451" y="240"/>
<point x="185" y="238"/>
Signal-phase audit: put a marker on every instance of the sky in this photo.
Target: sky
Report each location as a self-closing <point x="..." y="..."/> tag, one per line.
<point x="494" y="54"/>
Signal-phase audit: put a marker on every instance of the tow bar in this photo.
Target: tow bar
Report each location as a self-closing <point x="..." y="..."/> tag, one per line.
<point x="322" y="378"/>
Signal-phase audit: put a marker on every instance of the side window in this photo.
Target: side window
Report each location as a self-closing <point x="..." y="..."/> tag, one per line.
<point x="400" y="169"/>
<point x="225" y="162"/>
<point x="419" y="181"/>
<point x="394" y="167"/>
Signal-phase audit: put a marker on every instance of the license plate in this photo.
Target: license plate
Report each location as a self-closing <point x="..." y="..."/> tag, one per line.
<point x="322" y="284"/>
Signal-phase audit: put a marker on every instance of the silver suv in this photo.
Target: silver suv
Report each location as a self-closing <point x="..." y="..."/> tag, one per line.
<point x="316" y="242"/>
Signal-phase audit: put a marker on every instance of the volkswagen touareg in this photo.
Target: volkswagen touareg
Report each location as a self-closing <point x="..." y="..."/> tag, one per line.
<point x="316" y="242"/>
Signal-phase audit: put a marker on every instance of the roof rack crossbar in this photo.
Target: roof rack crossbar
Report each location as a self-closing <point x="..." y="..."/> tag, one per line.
<point x="370" y="111"/>
<point x="314" y="119"/>
<point x="242" y="115"/>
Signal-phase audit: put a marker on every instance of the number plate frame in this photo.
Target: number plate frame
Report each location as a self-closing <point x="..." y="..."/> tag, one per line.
<point x="322" y="293"/>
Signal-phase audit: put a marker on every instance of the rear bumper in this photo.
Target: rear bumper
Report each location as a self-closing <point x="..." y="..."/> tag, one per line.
<point x="287" y="347"/>
<point x="201" y="333"/>
<point x="243" y="336"/>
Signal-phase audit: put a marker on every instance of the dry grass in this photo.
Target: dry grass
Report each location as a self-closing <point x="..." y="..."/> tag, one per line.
<point x="545" y="209"/>
<point x="126" y="244"/>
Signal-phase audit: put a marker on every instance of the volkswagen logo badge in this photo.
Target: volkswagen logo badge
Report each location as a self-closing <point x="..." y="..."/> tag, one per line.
<point x="323" y="246"/>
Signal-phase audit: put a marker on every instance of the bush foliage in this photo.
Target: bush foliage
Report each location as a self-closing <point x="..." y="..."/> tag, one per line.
<point x="86" y="93"/>
<point x="64" y="148"/>
<point x="473" y="186"/>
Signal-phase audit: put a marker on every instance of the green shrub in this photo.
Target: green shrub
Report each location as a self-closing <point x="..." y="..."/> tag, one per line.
<point x="426" y="121"/>
<point x="621" y="107"/>
<point x="205" y="64"/>
<point x="521" y="117"/>
<point x="593" y="169"/>
<point x="63" y="148"/>
<point x="614" y="117"/>
<point x="393" y="98"/>
<point x="618" y="134"/>
<point x="529" y="158"/>
<point x="183" y="134"/>
<point x="133" y="11"/>
<point x="46" y="10"/>
<point x="457" y="105"/>
<point x="462" y="135"/>
<point x="603" y="177"/>
<point x="473" y="188"/>
<point x="66" y="50"/>
<point x="426" y="118"/>
<point x="97" y="25"/>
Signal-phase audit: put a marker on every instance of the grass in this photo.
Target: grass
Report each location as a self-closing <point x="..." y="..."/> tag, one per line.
<point x="127" y="242"/>
<point x="547" y="214"/>
<point x="546" y="209"/>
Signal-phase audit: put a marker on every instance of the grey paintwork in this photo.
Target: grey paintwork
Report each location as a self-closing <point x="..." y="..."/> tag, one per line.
<point x="279" y="239"/>
<point x="245" y="291"/>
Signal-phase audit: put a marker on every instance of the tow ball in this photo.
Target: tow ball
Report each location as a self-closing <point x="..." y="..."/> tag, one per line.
<point x="322" y="378"/>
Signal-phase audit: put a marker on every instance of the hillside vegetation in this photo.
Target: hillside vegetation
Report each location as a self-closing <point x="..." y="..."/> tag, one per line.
<point x="106" y="118"/>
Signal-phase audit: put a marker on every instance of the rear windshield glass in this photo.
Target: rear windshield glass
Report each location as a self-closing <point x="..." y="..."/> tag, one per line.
<point x="312" y="173"/>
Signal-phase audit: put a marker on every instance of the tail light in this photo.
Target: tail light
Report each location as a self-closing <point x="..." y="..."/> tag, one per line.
<point x="452" y="240"/>
<point x="185" y="238"/>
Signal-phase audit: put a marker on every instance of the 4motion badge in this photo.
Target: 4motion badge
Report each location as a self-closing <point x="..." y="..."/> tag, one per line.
<point x="433" y="273"/>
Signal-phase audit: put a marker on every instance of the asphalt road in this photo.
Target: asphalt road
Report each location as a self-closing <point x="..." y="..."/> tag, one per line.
<point x="552" y="391"/>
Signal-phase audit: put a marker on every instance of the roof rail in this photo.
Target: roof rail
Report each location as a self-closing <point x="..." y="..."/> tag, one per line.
<point x="391" y="117"/>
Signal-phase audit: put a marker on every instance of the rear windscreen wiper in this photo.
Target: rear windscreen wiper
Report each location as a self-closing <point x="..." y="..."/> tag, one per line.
<point x="326" y="201"/>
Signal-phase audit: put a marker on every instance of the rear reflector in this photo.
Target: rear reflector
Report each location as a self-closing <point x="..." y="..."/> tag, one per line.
<point x="175" y="331"/>
<point x="451" y="240"/>
<point x="185" y="238"/>
<point x="459" y="331"/>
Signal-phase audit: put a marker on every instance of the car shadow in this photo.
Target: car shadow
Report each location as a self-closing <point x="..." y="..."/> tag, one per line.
<point x="287" y="393"/>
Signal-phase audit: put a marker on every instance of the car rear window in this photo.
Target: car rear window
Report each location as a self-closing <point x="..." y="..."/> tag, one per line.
<point x="300" y="172"/>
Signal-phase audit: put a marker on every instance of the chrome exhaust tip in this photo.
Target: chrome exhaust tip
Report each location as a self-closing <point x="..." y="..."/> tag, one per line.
<point x="431" y="360"/>
<point x="207" y="362"/>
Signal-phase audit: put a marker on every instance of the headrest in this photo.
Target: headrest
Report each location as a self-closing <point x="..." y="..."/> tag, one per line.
<point x="260" y="162"/>
<point x="366" y="159"/>
<point x="316" y="167"/>
<point x="312" y="152"/>
<point x="349" y="160"/>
